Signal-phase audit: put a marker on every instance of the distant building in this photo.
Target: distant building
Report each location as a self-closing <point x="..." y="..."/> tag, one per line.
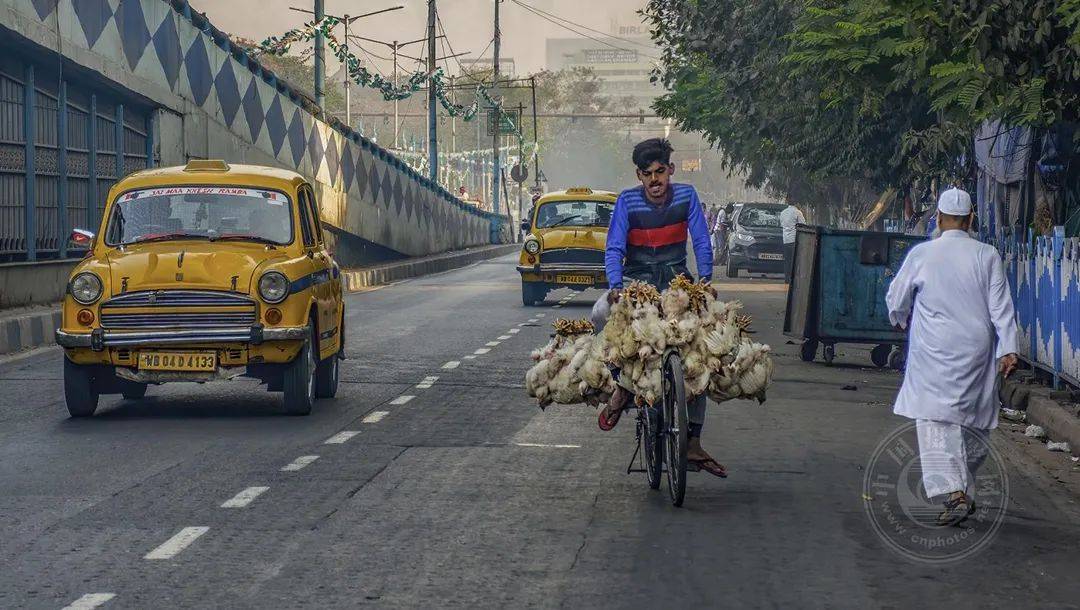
<point x="484" y="65"/>
<point x="623" y="66"/>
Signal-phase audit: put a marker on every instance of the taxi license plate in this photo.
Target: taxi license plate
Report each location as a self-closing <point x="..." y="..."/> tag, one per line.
<point x="177" y="361"/>
<point x="573" y="279"/>
<point x="771" y="257"/>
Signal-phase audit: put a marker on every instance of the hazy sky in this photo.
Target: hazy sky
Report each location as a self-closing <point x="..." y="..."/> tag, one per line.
<point x="468" y="23"/>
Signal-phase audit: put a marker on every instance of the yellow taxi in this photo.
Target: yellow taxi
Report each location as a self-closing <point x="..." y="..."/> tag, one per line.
<point x="566" y="242"/>
<point x="201" y="273"/>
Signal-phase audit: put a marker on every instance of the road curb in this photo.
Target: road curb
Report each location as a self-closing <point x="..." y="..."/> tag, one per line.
<point x="1059" y="421"/>
<point x="23" y="332"/>
<point x="356" y="280"/>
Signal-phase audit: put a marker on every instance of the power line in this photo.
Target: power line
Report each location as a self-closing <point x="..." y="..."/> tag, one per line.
<point x="582" y="34"/>
<point x="563" y="19"/>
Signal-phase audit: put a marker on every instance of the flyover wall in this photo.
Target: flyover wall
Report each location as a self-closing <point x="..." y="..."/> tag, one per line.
<point x="115" y="85"/>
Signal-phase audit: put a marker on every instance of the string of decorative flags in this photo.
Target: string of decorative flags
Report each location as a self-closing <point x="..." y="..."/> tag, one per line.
<point x="280" y="45"/>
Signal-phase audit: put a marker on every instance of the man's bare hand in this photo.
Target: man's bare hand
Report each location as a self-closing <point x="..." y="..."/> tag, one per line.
<point x="710" y="288"/>
<point x="1007" y="364"/>
<point x="613" y="296"/>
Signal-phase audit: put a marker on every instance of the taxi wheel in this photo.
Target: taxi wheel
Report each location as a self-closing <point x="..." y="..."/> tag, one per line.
<point x="299" y="381"/>
<point x="326" y="377"/>
<point x="732" y="271"/>
<point x="533" y="293"/>
<point x="79" y="392"/>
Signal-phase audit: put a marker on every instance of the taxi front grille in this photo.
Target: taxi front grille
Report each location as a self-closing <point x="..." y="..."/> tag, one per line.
<point x="179" y="298"/>
<point x="572" y="255"/>
<point x="177" y="320"/>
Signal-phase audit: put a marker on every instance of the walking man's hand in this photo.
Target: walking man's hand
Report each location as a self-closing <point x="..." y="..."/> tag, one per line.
<point x="613" y="296"/>
<point x="1007" y="364"/>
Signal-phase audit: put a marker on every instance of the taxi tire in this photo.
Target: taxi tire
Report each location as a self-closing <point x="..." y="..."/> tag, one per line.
<point x="732" y="271"/>
<point x="133" y="391"/>
<point x="299" y="379"/>
<point x="80" y="393"/>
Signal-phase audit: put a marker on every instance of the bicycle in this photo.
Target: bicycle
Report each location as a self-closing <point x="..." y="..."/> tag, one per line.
<point x="662" y="432"/>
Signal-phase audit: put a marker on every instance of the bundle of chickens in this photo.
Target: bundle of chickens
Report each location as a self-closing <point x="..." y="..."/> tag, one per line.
<point x="712" y="337"/>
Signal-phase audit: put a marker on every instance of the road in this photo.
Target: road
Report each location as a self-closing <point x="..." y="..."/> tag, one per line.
<point x="464" y="494"/>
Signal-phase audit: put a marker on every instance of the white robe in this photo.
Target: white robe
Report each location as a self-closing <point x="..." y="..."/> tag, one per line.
<point x="962" y="320"/>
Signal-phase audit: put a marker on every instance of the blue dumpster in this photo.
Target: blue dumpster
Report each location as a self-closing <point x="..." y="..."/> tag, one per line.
<point x="837" y="291"/>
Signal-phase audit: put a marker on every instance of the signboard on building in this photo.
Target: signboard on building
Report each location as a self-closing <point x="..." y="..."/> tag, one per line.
<point x="610" y="56"/>
<point x="508" y="120"/>
<point x="691" y="165"/>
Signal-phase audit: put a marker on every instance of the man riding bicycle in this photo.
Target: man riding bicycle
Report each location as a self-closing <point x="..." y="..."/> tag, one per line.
<point x="648" y="231"/>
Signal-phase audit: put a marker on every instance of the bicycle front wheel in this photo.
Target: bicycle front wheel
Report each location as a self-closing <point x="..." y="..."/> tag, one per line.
<point x="675" y="427"/>
<point x="652" y="440"/>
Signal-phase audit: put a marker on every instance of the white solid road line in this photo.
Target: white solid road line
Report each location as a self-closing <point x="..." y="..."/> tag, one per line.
<point x="548" y="446"/>
<point x="245" y="497"/>
<point x="482" y="351"/>
<point x="493" y="343"/>
<point x="453" y="364"/>
<point x="299" y="463"/>
<point x="514" y="331"/>
<point x="503" y="337"/>
<point x="400" y="400"/>
<point x="182" y="540"/>
<point x="89" y="601"/>
<point x="340" y="437"/>
<point x="374" y="416"/>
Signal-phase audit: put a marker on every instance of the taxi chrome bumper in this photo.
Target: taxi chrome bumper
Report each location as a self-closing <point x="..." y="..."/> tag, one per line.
<point x="99" y="339"/>
<point x="578" y="268"/>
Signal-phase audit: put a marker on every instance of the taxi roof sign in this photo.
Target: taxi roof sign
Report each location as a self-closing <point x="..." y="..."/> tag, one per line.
<point x="579" y="190"/>
<point x="206" y="165"/>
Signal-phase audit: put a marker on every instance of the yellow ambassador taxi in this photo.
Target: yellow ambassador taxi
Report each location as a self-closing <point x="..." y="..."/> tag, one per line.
<point x="201" y="273"/>
<point x="566" y="243"/>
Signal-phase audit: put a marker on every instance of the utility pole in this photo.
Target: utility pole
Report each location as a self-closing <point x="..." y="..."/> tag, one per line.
<point x="433" y="134"/>
<point x="348" y="96"/>
<point x="320" y="56"/>
<point x="498" y="118"/>
<point x="536" y="133"/>
<point x="521" y="164"/>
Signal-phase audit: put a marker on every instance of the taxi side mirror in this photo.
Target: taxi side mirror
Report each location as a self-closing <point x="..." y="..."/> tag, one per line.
<point x="526" y="226"/>
<point x="80" y="239"/>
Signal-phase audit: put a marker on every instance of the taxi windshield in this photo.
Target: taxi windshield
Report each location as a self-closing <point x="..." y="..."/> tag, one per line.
<point x="196" y="212"/>
<point x="574" y="214"/>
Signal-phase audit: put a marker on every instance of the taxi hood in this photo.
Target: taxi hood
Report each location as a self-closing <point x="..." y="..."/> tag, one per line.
<point x="574" y="237"/>
<point x="187" y="264"/>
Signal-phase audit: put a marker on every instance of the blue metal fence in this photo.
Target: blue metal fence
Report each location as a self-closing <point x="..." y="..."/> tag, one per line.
<point x="1044" y="276"/>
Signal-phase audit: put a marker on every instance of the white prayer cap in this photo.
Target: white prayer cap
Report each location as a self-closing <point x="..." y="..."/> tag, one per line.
<point x="954" y="202"/>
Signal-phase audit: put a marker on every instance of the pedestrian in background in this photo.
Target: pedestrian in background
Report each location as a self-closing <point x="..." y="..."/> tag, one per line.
<point x="789" y="218"/>
<point x="953" y="293"/>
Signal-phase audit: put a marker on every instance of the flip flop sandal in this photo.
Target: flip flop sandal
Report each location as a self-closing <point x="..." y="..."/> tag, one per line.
<point x="956" y="512"/>
<point x="710" y="466"/>
<point x="607" y="424"/>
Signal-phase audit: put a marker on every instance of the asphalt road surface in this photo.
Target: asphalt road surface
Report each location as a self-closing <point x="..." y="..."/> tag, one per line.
<point x="432" y="480"/>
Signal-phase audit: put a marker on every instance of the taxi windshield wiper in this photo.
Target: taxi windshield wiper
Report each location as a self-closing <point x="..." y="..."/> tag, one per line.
<point x="165" y="237"/>
<point x="245" y="236"/>
<point x="563" y="221"/>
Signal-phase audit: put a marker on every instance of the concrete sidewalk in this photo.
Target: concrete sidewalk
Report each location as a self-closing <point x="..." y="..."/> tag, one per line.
<point x="27" y="328"/>
<point x="1058" y="412"/>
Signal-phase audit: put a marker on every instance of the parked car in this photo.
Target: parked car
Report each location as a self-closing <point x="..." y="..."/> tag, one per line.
<point x="567" y="237"/>
<point x="755" y="240"/>
<point x="202" y="273"/>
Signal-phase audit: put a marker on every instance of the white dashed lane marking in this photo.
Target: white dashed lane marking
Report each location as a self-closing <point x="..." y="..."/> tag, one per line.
<point x="470" y="357"/>
<point x="374" y="416"/>
<point x="514" y="331"/>
<point x="89" y="601"/>
<point x="533" y="320"/>
<point x="173" y="546"/>
<point x="340" y="437"/>
<point x="492" y="343"/>
<point x="245" y="497"/>
<point x="400" y="400"/>
<point x="453" y="364"/>
<point x="540" y="315"/>
<point x="299" y="463"/>
<point x="426" y="383"/>
<point x="548" y="446"/>
<point x="482" y="351"/>
<point x="504" y="337"/>
<point x="556" y="306"/>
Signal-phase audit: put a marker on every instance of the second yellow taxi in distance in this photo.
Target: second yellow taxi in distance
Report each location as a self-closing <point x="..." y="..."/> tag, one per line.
<point x="201" y="273"/>
<point x="566" y="243"/>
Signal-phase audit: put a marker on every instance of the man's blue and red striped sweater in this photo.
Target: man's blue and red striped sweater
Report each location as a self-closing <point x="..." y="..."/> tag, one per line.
<point x="648" y="236"/>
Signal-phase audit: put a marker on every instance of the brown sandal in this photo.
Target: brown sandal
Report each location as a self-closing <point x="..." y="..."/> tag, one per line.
<point x="709" y="465"/>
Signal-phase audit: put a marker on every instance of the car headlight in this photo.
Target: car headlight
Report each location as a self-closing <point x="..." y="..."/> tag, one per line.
<point x="273" y="287"/>
<point x="532" y="245"/>
<point x="743" y="239"/>
<point x="85" y="288"/>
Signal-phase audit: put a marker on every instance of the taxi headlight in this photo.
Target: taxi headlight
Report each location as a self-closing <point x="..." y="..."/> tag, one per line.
<point x="532" y="245"/>
<point x="743" y="239"/>
<point x="85" y="288"/>
<point x="273" y="287"/>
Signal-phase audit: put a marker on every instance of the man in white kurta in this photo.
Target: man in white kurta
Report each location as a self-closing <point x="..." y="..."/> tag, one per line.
<point x="953" y="293"/>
